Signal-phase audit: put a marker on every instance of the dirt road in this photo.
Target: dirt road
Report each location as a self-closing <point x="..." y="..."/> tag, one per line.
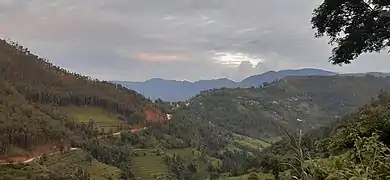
<point x="36" y="155"/>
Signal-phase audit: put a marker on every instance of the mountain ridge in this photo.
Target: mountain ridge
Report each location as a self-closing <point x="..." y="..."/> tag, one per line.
<point x="173" y="90"/>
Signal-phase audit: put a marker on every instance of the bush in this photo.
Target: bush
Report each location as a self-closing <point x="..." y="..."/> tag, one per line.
<point x="253" y="176"/>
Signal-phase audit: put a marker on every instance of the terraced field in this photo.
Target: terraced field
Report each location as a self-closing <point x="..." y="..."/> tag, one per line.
<point x="103" y="120"/>
<point x="70" y="161"/>
<point x="249" y="142"/>
<point x="62" y="163"/>
<point x="147" y="165"/>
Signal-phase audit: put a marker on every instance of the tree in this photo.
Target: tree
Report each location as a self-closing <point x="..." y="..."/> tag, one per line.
<point x="89" y="158"/>
<point x="356" y="26"/>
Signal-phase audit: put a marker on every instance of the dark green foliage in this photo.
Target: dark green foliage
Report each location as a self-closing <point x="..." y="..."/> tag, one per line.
<point x="178" y="167"/>
<point x="372" y="118"/>
<point x="237" y="163"/>
<point x="271" y="164"/>
<point x="356" y="147"/>
<point x="110" y="151"/>
<point x="356" y="26"/>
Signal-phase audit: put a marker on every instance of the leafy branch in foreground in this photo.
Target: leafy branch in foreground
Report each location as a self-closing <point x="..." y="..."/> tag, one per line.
<point x="356" y="26"/>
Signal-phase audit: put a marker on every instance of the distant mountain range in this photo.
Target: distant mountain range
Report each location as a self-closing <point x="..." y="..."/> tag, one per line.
<point x="172" y="90"/>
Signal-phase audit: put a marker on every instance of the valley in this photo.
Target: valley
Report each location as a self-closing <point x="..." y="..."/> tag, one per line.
<point x="194" y="90"/>
<point x="60" y="125"/>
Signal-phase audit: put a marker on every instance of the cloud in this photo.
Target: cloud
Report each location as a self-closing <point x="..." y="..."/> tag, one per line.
<point x="236" y="59"/>
<point x="175" y="39"/>
<point x="157" y="58"/>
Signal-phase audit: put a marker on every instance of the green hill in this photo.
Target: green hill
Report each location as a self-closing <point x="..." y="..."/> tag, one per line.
<point x="236" y="125"/>
<point x="353" y="147"/>
<point x="61" y="165"/>
<point x="45" y="109"/>
<point x="292" y="103"/>
<point x="39" y="102"/>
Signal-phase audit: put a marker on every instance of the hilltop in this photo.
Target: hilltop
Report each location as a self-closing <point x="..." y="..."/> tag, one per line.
<point x="172" y="90"/>
<point x="292" y="103"/>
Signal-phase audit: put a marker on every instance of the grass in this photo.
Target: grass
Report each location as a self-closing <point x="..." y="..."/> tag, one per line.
<point x="195" y="156"/>
<point x="102" y="119"/>
<point x="70" y="161"/>
<point x="62" y="164"/>
<point x="147" y="165"/>
<point x="262" y="176"/>
<point x="19" y="172"/>
<point x="249" y="142"/>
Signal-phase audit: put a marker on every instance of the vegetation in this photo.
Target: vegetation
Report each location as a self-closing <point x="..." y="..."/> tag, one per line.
<point x="149" y="165"/>
<point x="255" y="144"/>
<point x="356" y="26"/>
<point x="219" y="134"/>
<point x="293" y="103"/>
<point x="64" y="165"/>
<point x="252" y="176"/>
<point x="34" y="93"/>
<point x="105" y="122"/>
<point x="45" y="109"/>
<point x="356" y="147"/>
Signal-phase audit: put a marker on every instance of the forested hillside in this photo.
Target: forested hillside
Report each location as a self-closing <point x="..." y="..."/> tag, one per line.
<point x="45" y="109"/>
<point x="292" y="103"/>
<point x="61" y="125"/>
<point x="33" y="91"/>
<point x="354" y="147"/>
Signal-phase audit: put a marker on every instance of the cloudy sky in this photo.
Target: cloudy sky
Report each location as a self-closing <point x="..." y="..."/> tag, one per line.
<point x="173" y="39"/>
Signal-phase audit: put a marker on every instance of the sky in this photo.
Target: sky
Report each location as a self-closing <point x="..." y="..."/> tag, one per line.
<point x="136" y="40"/>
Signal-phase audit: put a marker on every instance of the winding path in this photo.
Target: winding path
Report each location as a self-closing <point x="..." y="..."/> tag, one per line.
<point x="21" y="160"/>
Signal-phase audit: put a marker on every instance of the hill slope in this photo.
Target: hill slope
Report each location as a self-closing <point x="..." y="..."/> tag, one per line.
<point x="171" y="90"/>
<point x="293" y="103"/>
<point x="357" y="141"/>
<point x="45" y="112"/>
<point x="35" y="97"/>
